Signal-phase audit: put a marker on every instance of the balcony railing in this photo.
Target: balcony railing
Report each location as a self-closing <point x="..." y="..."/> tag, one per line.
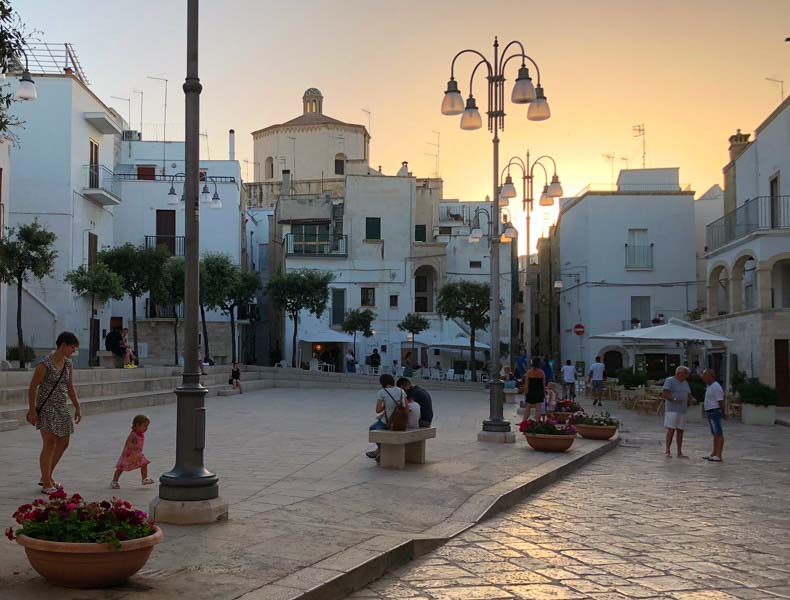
<point x="174" y="243"/>
<point x="638" y="257"/>
<point x="154" y="310"/>
<point x="461" y="214"/>
<point x="760" y="213"/>
<point x="316" y="245"/>
<point x="100" y="185"/>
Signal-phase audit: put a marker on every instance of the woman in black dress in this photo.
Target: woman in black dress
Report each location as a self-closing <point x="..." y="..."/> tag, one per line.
<point x="536" y="389"/>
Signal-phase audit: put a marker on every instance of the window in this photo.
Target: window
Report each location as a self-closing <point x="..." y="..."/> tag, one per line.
<point x="269" y="168"/>
<point x="93" y="161"/>
<point x="475" y="264"/>
<point x="393" y="301"/>
<point x="93" y="249"/>
<point x="638" y="252"/>
<point x="368" y="297"/>
<point x="372" y="228"/>
<point x="773" y="187"/>
<point x="146" y="172"/>
<point x="340" y="164"/>
<point x="420" y="234"/>
<point x="310" y="238"/>
<point x="338" y="307"/>
<point x="640" y="309"/>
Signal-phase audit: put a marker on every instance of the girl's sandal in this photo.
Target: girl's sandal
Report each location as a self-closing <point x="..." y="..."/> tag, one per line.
<point x="148" y="481"/>
<point x="54" y="483"/>
<point x="49" y="490"/>
<point x="115" y="485"/>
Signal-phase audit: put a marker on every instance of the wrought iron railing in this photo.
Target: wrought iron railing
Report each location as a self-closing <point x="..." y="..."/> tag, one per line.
<point x="760" y="213"/>
<point x="174" y="243"/>
<point x="154" y="310"/>
<point x="168" y="178"/>
<point x="461" y="213"/>
<point x="316" y="245"/>
<point x="638" y="257"/>
<point x="99" y="177"/>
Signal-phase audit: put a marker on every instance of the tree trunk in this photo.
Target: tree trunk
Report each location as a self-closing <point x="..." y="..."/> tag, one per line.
<point x="20" y="338"/>
<point x="232" y="335"/>
<point x="206" y="353"/>
<point x="91" y="350"/>
<point x="134" y="327"/>
<point x="295" y="319"/>
<point x="472" y="356"/>
<point x="175" y="336"/>
<point x="355" y="345"/>
<point x="413" y="350"/>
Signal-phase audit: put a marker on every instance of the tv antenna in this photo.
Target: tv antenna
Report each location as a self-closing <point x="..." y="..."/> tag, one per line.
<point x="128" y="108"/>
<point x="781" y="87"/>
<point x="610" y="158"/>
<point x="164" y="125"/>
<point x="625" y="160"/>
<point x="639" y="131"/>
<point x="141" y="108"/>
<point x="208" y="148"/>
<point x="437" y="145"/>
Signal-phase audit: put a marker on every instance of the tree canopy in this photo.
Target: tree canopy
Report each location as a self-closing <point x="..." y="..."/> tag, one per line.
<point x="414" y="324"/>
<point x="469" y="301"/>
<point x="97" y="281"/>
<point x="359" y="320"/>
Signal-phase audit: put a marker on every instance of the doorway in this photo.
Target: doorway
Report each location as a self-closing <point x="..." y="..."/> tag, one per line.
<point x="166" y="230"/>
<point x="782" y="370"/>
<point x="613" y="362"/>
<point x="94" y="343"/>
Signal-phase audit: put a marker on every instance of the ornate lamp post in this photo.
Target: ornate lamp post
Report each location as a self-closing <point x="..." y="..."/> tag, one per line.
<point x="189" y="493"/>
<point x="495" y="428"/>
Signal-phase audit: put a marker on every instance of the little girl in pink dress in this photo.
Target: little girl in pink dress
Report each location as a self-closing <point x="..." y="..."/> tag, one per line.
<point x="132" y="457"/>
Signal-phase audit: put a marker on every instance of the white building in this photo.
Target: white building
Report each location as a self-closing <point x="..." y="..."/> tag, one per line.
<point x="748" y="269"/>
<point x="707" y="208"/>
<point x="626" y="260"/>
<point x="62" y="175"/>
<point x="5" y="195"/>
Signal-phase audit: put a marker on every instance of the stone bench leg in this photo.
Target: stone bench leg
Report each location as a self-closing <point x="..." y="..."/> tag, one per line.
<point x="415" y="452"/>
<point x="393" y="456"/>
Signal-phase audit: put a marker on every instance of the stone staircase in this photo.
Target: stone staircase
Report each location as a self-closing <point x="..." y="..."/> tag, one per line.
<point x="105" y="390"/>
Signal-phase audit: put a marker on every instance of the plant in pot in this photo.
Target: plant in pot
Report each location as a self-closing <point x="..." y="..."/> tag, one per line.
<point x="565" y="409"/>
<point x="79" y="544"/>
<point x="548" y="435"/>
<point x="601" y="426"/>
<point x="758" y="403"/>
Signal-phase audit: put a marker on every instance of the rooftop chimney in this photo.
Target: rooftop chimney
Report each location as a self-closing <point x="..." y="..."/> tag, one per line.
<point x="738" y="143"/>
<point x="231" y="145"/>
<point x="286" y="186"/>
<point x="404" y="169"/>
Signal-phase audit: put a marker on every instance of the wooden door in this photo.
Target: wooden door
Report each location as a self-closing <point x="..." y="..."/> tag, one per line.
<point x="782" y="370"/>
<point x="166" y="229"/>
<point x="93" y="161"/>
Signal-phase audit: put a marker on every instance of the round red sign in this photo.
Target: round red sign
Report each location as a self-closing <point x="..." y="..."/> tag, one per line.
<point x="578" y="329"/>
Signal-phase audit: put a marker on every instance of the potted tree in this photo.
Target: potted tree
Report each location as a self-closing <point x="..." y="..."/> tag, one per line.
<point x="600" y="426"/>
<point x="548" y="435"/>
<point x="78" y="544"/>
<point x="758" y="403"/>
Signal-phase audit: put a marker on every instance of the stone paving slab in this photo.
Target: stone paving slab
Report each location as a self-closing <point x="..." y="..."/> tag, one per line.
<point x="306" y="506"/>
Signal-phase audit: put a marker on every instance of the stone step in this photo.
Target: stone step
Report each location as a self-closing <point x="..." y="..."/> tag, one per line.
<point x="8" y="425"/>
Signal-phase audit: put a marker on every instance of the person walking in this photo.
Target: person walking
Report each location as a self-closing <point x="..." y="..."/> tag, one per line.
<point x="677" y="394"/>
<point x="52" y="383"/>
<point x="547" y="370"/>
<point x="568" y="381"/>
<point x="521" y="364"/>
<point x="716" y="410"/>
<point x="351" y="360"/>
<point x="596" y="377"/>
<point x="536" y="389"/>
<point x="132" y="457"/>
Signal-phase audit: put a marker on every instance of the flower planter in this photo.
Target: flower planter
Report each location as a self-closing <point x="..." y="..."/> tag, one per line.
<point x="755" y="414"/>
<point x="88" y="565"/>
<point x="561" y="417"/>
<point x="549" y="443"/>
<point x="596" y="432"/>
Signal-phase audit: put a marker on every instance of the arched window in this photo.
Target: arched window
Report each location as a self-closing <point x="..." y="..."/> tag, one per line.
<point x="340" y="164"/>
<point x="269" y="168"/>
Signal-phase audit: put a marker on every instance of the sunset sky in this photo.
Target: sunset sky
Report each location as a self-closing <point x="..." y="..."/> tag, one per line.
<point x="692" y="72"/>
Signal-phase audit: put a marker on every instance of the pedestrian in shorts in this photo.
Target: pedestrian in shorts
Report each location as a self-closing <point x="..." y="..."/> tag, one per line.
<point x="677" y="395"/>
<point x="716" y="410"/>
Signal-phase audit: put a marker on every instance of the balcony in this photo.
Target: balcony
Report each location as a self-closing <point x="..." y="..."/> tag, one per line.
<point x="639" y="258"/>
<point x="174" y="243"/>
<point x="154" y="310"/>
<point x="101" y="185"/>
<point x="763" y="213"/>
<point x="460" y="214"/>
<point x="316" y="245"/>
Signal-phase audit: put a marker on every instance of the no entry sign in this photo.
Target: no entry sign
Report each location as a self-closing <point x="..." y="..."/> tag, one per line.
<point x="578" y="329"/>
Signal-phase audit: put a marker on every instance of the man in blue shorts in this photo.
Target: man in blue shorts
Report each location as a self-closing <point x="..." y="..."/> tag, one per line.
<point x="716" y="410"/>
<point x="596" y="377"/>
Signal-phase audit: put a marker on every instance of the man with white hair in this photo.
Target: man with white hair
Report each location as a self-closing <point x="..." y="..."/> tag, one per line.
<point x="677" y="394"/>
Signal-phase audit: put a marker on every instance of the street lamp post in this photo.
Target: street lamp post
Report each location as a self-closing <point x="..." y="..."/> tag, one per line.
<point x="189" y="493"/>
<point x="495" y="428"/>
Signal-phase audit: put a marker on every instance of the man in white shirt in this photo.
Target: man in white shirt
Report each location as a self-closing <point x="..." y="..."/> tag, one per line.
<point x="568" y="381"/>
<point x="596" y="378"/>
<point x="716" y="410"/>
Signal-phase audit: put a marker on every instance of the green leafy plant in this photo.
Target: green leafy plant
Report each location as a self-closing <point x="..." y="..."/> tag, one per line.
<point x="753" y="391"/>
<point x="294" y="291"/>
<point x="469" y="301"/>
<point x="26" y="251"/>
<point x="568" y="406"/>
<point x="170" y="291"/>
<point x="547" y="427"/>
<point x="359" y="320"/>
<point x="27" y="354"/>
<point x="603" y="419"/>
<point x="630" y="379"/>
<point x="12" y="42"/>
<point x="697" y="387"/>
<point x="67" y="518"/>
<point x="414" y="324"/>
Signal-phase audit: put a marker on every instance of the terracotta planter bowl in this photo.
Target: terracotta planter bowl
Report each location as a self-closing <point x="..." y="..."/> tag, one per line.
<point x="596" y="432"/>
<point x="549" y="443"/>
<point x="88" y="565"/>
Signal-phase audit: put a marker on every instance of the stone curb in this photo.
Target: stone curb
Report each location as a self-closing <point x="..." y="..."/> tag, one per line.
<point x="339" y="575"/>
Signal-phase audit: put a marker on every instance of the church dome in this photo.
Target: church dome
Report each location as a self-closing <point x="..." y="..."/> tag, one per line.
<point x="312" y="101"/>
<point x="312" y="92"/>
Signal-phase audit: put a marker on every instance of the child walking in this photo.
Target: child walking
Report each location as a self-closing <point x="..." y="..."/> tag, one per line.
<point x="132" y="457"/>
<point x="235" y="377"/>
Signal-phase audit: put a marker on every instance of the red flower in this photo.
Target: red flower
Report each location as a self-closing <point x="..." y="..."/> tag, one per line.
<point x="38" y="502"/>
<point x="58" y="495"/>
<point x="76" y="498"/>
<point x="9" y="533"/>
<point x="71" y="506"/>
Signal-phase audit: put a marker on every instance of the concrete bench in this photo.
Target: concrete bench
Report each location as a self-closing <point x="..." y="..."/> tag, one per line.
<point x="108" y="360"/>
<point x="400" y="447"/>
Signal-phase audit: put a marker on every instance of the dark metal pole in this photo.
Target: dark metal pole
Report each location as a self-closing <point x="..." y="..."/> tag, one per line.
<point x="189" y="480"/>
<point x="513" y="303"/>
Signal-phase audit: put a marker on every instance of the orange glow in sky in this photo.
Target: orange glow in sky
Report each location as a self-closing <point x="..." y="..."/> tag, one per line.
<point x="692" y="72"/>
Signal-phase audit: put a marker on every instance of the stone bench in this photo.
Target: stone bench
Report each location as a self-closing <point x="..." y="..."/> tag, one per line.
<point x="400" y="447"/>
<point x="108" y="360"/>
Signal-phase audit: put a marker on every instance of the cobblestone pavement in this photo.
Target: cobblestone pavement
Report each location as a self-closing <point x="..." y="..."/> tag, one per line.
<point x="632" y="524"/>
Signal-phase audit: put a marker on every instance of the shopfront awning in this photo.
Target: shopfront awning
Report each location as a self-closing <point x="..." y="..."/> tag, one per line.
<point x="326" y="337"/>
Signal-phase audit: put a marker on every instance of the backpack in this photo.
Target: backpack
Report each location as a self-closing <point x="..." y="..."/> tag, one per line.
<point x="399" y="419"/>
